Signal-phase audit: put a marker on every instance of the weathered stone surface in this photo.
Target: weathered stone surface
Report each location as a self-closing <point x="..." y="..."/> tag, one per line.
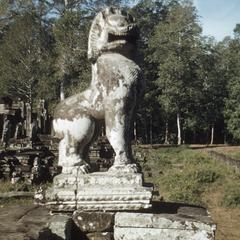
<point x="99" y="191"/>
<point x="61" y="227"/>
<point x="98" y="178"/>
<point x="137" y="226"/>
<point x="157" y="234"/>
<point x="100" y="236"/>
<point x="61" y="199"/>
<point x="22" y="222"/>
<point x="112" y="95"/>
<point x="94" y="221"/>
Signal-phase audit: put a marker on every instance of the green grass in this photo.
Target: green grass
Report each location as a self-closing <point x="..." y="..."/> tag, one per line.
<point x="184" y="175"/>
<point x="231" y="197"/>
<point x="234" y="155"/>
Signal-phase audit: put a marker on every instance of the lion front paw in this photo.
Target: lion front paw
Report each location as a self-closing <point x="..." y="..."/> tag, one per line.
<point x="128" y="168"/>
<point x="84" y="169"/>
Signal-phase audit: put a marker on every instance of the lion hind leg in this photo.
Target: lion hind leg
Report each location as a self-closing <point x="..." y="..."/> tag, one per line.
<point x="76" y="133"/>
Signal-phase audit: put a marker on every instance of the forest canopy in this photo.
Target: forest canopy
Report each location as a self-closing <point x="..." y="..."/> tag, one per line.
<point x="193" y="81"/>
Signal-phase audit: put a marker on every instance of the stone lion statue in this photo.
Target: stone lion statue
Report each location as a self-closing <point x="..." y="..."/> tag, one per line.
<point x="111" y="96"/>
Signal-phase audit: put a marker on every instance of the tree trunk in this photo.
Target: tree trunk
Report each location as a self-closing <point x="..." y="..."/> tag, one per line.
<point x="145" y="128"/>
<point x="179" y="129"/>
<point x="212" y="134"/>
<point x="166" y="141"/>
<point x="66" y="3"/>
<point x="151" y="131"/>
<point x="28" y="120"/>
<point x="135" y="132"/>
<point x="194" y="136"/>
<point x="62" y="95"/>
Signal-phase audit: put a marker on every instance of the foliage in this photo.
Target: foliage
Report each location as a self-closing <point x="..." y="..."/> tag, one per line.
<point x="232" y="109"/>
<point x="70" y="33"/>
<point x="189" y="184"/>
<point x="175" y="48"/>
<point x="189" y="77"/>
<point x="25" y="57"/>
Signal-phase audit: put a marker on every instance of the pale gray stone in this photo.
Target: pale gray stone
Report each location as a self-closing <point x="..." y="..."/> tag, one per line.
<point x="61" y="227"/>
<point x="100" y="236"/>
<point x="99" y="191"/>
<point x="98" y="178"/>
<point x="112" y="95"/>
<point x="137" y="226"/>
<point x="157" y="234"/>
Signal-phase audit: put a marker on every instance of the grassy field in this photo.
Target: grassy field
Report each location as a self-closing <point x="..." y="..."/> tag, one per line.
<point x="191" y="176"/>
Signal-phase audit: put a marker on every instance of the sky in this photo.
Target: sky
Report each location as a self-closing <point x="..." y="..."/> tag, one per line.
<point x="218" y="18"/>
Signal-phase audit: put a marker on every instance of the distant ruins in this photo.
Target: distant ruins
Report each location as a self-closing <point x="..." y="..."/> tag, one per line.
<point x="18" y="121"/>
<point x="26" y="154"/>
<point x="28" y="151"/>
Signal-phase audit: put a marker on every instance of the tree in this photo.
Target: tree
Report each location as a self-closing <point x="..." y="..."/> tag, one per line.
<point x="147" y="14"/>
<point x="175" y="48"/>
<point x="213" y="74"/>
<point x="232" y="104"/>
<point x="24" y="57"/>
<point x="71" y="36"/>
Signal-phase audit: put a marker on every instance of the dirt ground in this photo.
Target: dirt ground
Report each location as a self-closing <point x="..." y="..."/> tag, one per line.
<point x="227" y="219"/>
<point x="217" y="147"/>
<point x="21" y="222"/>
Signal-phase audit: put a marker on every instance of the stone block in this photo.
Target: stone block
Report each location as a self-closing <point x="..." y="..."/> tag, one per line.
<point x="141" y="226"/>
<point x="64" y="180"/>
<point x="94" y="221"/>
<point x="61" y="199"/>
<point x="61" y="227"/>
<point x="100" y="236"/>
<point x="99" y="192"/>
<point x="114" y="198"/>
<point x="108" y="178"/>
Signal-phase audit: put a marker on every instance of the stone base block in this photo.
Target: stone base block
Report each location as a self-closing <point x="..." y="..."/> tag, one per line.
<point x="100" y="236"/>
<point x="61" y="227"/>
<point x="114" y="198"/>
<point x="106" y="191"/>
<point x="142" y="226"/>
<point x="98" y="178"/>
<point x="91" y="222"/>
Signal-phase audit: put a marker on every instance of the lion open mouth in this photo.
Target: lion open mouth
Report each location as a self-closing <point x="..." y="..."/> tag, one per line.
<point x="121" y="38"/>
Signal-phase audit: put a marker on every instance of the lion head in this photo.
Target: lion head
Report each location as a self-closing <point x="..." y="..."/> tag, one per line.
<point x="112" y="30"/>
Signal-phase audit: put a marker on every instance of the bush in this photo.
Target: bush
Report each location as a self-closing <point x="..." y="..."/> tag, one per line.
<point x="188" y="185"/>
<point x="185" y="175"/>
<point x="207" y="176"/>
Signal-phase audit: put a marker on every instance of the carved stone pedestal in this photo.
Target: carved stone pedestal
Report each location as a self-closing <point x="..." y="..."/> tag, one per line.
<point x="107" y="191"/>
